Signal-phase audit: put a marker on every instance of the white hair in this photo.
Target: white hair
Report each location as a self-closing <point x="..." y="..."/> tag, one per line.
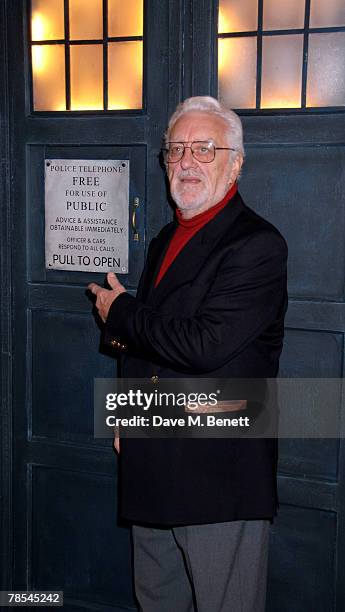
<point x="206" y="104"/>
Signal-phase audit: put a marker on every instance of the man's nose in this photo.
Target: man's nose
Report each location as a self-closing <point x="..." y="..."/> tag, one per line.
<point x="187" y="160"/>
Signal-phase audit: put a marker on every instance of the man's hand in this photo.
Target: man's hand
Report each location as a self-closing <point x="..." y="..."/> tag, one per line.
<point x="105" y="297"/>
<point x="116" y="443"/>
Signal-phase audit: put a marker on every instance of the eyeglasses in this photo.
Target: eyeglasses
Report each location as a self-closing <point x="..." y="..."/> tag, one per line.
<point x="202" y="150"/>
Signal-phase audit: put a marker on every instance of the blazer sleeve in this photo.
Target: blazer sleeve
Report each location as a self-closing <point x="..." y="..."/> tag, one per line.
<point x="247" y="296"/>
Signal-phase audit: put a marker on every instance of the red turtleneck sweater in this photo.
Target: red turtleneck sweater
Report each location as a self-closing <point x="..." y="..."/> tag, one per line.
<point x="187" y="228"/>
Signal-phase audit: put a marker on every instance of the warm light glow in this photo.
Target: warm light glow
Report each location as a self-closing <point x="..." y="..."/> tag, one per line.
<point x="223" y="55"/>
<point x="48" y="73"/>
<point x="37" y="27"/>
<point x="125" y="73"/>
<point x="86" y="19"/>
<point x="47" y="21"/>
<point x="237" y="71"/>
<point x="283" y="102"/>
<point x="237" y="16"/>
<point x="86" y="77"/>
<point x="223" y="24"/>
<point x="327" y="13"/>
<point x="125" y="18"/>
<point x="282" y="71"/>
<point x="290" y="14"/>
<point x="125" y="58"/>
<point x="38" y="58"/>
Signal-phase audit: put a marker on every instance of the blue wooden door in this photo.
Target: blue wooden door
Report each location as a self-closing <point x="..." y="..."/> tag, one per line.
<point x="62" y="505"/>
<point x="59" y="484"/>
<point x="294" y="176"/>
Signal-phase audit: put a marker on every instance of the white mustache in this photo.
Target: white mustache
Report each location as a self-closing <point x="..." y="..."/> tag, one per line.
<point x="189" y="174"/>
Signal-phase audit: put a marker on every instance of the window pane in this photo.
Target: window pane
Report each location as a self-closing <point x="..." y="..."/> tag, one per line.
<point x="86" y="77"/>
<point x="125" y="76"/>
<point x="86" y="19"/>
<point x="289" y="14"/>
<point x="237" y="15"/>
<point x="282" y="71"/>
<point x="125" y="18"/>
<point x="327" y="13"/>
<point x="326" y="69"/>
<point x="237" y="72"/>
<point x="48" y="71"/>
<point x="47" y="20"/>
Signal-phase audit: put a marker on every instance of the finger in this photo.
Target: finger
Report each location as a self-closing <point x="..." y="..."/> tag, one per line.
<point x="116" y="444"/>
<point x="113" y="280"/>
<point x="95" y="289"/>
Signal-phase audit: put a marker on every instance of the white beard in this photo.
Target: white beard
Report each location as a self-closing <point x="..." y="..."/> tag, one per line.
<point x="182" y="205"/>
<point x="182" y="196"/>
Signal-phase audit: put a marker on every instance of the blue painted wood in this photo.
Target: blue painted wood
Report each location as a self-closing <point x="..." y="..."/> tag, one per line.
<point x="316" y="315"/>
<point x="61" y="406"/>
<point x="309" y="179"/>
<point x="308" y="493"/>
<point x="312" y="354"/>
<point x="6" y="563"/>
<point x="302" y="561"/>
<point x="65" y="530"/>
<point x="203" y="60"/>
<point x="73" y="524"/>
<point x="300" y="181"/>
<point x="294" y="175"/>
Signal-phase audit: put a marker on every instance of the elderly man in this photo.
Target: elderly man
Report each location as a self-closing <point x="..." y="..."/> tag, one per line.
<point x="210" y="303"/>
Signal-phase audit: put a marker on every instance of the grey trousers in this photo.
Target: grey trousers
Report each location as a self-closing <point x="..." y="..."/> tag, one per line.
<point x="218" y="567"/>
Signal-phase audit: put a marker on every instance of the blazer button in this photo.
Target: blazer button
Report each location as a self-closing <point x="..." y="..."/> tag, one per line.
<point x="155" y="379"/>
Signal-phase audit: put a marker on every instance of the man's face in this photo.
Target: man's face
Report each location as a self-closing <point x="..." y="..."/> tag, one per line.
<point x="196" y="186"/>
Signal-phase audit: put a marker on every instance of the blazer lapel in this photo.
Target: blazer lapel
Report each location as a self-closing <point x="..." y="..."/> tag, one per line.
<point x="157" y="250"/>
<point x="192" y="257"/>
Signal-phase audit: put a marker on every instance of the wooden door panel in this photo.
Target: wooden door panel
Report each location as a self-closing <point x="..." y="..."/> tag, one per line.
<point x="311" y="354"/>
<point x="302" y="561"/>
<point x="64" y="364"/>
<point x="297" y="187"/>
<point x="294" y="170"/>
<point x="65" y="528"/>
<point x="64" y="482"/>
<point x="77" y="546"/>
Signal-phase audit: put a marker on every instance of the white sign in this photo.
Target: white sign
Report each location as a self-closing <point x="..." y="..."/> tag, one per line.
<point x="86" y="215"/>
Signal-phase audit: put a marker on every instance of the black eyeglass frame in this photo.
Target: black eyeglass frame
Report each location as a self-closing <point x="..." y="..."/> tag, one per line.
<point x="165" y="151"/>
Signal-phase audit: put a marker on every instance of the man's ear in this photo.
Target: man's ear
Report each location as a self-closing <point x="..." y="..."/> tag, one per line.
<point x="236" y="168"/>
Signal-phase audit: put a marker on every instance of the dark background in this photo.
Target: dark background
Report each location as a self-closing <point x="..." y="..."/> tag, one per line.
<point x="58" y="485"/>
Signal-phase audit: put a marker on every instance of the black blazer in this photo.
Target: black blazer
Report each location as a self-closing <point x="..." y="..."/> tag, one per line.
<point x="217" y="312"/>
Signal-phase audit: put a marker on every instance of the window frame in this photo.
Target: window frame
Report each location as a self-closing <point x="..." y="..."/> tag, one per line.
<point x="67" y="43"/>
<point x="259" y="34"/>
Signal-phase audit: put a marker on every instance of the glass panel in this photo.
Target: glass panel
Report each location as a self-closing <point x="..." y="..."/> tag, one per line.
<point x="237" y="15"/>
<point x="86" y="19"/>
<point x="47" y="20"/>
<point x="48" y="70"/>
<point x="326" y="69"/>
<point x="282" y="71"/>
<point x="125" y="76"/>
<point x="327" y="13"/>
<point x="289" y="14"/>
<point x="237" y="72"/>
<point x="86" y="77"/>
<point x="125" y="18"/>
